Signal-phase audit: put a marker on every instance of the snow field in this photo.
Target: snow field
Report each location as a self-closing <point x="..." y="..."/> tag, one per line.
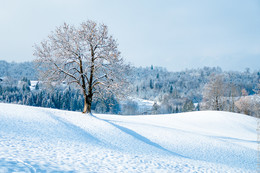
<point x="40" y="139"/>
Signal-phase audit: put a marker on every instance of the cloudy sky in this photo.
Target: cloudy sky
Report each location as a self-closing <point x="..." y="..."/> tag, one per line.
<point x="176" y="34"/>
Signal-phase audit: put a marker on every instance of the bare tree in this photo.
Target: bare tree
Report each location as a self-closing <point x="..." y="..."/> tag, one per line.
<point x="86" y="56"/>
<point x="257" y="100"/>
<point x="233" y="95"/>
<point x="213" y="94"/>
<point x="244" y="105"/>
<point x="249" y="104"/>
<point x="244" y="92"/>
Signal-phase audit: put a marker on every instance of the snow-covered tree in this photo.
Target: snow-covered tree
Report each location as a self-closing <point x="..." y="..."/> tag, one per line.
<point x="37" y="86"/>
<point x="86" y="56"/>
<point x="188" y="106"/>
<point x="244" y="92"/>
<point x="156" y="108"/>
<point x="1" y="90"/>
<point x="256" y="106"/>
<point x="214" y="93"/>
<point x="244" y="105"/>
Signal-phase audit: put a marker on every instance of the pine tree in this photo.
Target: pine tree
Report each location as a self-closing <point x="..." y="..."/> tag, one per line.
<point x="188" y="106"/>
<point x="171" y="89"/>
<point x="151" y="83"/>
<point x="37" y="86"/>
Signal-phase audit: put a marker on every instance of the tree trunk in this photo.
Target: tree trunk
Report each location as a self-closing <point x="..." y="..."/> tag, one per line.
<point x="85" y="107"/>
<point x="88" y="97"/>
<point x="87" y="104"/>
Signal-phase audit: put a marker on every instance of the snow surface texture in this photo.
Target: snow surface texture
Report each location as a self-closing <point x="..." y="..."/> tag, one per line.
<point x="40" y="139"/>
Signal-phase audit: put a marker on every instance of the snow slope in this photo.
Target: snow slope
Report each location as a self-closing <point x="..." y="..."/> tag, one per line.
<point x="40" y="139"/>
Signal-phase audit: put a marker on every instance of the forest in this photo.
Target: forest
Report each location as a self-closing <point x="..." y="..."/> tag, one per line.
<point x="207" y="88"/>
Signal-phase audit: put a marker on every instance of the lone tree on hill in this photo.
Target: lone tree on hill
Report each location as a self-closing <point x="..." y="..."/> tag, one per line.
<point x="86" y="56"/>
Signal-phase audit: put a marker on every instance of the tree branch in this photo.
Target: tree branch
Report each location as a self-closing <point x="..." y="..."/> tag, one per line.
<point x="66" y="73"/>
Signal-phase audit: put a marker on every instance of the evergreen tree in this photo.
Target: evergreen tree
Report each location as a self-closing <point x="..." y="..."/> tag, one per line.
<point x="151" y="83"/>
<point x="171" y="89"/>
<point x="188" y="106"/>
<point x="26" y="87"/>
<point x="37" y="86"/>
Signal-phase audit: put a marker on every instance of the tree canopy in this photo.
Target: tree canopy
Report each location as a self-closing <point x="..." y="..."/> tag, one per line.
<point x="86" y="56"/>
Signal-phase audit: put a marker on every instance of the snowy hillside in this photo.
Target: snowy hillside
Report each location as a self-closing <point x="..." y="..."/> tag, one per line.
<point x="39" y="139"/>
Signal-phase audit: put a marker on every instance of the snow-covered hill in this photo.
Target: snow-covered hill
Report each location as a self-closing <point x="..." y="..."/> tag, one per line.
<point x="39" y="139"/>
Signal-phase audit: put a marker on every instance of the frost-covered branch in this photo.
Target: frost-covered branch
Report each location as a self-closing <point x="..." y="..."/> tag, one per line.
<point x="86" y="55"/>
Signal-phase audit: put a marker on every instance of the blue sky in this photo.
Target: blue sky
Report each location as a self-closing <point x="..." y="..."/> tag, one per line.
<point x="170" y="33"/>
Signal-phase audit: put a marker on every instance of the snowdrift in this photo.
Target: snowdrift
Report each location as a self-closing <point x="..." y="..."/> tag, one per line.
<point x="39" y="139"/>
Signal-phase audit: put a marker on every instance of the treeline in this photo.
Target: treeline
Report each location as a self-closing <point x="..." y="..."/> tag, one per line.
<point x="189" y="90"/>
<point x="16" y="71"/>
<point x="207" y="88"/>
<point x="222" y="95"/>
<point x="59" y="98"/>
<point x="154" y="82"/>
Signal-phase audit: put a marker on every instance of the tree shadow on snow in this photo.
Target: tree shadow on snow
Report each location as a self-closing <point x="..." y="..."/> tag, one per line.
<point x="83" y="134"/>
<point x="140" y="137"/>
